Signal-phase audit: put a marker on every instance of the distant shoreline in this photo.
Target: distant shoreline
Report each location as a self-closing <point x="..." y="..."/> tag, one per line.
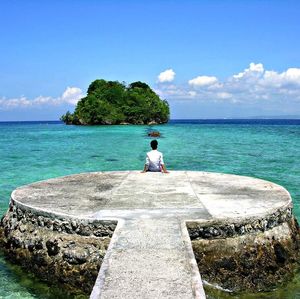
<point x="266" y="121"/>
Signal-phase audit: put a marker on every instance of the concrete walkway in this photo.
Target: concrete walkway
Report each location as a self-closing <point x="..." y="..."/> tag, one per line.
<point x="150" y="255"/>
<point x="149" y="259"/>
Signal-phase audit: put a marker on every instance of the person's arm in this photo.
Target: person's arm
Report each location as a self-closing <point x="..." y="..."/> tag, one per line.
<point x="146" y="165"/>
<point x="145" y="168"/>
<point x="162" y="164"/>
<point x="164" y="169"/>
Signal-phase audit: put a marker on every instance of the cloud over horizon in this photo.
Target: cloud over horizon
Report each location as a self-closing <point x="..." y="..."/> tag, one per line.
<point x="253" y="85"/>
<point x="71" y="95"/>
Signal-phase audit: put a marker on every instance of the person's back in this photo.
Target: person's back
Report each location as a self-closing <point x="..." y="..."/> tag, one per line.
<point x="154" y="159"/>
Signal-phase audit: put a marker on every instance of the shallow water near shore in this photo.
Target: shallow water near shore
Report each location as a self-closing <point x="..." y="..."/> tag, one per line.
<point x="267" y="149"/>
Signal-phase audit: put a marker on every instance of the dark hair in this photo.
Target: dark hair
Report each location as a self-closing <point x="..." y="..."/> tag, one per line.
<point x="154" y="144"/>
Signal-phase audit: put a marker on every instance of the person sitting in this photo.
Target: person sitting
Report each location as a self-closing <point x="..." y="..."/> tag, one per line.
<point x="154" y="159"/>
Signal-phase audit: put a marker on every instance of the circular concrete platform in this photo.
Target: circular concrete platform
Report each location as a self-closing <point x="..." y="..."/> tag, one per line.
<point x="162" y="229"/>
<point x="200" y="194"/>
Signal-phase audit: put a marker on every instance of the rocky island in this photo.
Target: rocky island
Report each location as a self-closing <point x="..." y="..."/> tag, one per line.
<point x="112" y="103"/>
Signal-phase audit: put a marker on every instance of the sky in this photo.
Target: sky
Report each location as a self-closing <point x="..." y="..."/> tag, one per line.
<point x="208" y="59"/>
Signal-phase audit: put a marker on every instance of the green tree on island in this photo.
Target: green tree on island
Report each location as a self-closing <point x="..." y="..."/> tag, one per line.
<point x="112" y="102"/>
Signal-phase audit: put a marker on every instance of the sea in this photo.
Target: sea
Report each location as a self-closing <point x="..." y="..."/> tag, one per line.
<point x="31" y="151"/>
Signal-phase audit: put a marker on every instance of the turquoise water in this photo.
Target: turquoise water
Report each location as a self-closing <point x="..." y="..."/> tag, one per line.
<point x="29" y="152"/>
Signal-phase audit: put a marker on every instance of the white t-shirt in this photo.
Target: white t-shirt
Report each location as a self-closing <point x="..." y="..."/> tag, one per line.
<point x="154" y="160"/>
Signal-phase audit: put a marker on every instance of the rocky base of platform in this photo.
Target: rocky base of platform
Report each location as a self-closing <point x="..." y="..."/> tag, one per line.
<point x="258" y="258"/>
<point x="58" y="251"/>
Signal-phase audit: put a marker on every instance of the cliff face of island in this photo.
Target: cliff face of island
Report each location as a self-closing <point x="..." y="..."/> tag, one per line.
<point x="112" y="102"/>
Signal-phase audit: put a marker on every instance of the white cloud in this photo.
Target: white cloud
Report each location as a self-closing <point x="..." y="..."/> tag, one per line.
<point x="70" y="96"/>
<point x="252" y="85"/>
<point x="203" y="81"/>
<point x="256" y="67"/>
<point x="166" y="76"/>
<point x="253" y="70"/>
<point x="14" y="102"/>
<point x="176" y="92"/>
<point x="290" y="76"/>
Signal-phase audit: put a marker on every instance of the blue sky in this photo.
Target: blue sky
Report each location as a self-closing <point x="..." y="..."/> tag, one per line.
<point x="209" y="59"/>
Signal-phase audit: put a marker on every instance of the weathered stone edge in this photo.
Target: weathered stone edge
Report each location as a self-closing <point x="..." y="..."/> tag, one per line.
<point x="209" y="229"/>
<point x="197" y="284"/>
<point x="218" y="229"/>
<point x="83" y="226"/>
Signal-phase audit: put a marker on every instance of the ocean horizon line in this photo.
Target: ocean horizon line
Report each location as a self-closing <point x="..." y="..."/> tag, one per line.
<point x="297" y="118"/>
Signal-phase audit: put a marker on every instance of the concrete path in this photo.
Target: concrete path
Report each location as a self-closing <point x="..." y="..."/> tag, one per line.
<point x="150" y="255"/>
<point x="150" y="259"/>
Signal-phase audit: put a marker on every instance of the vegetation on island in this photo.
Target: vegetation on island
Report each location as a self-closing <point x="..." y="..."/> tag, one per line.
<point x="112" y="102"/>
